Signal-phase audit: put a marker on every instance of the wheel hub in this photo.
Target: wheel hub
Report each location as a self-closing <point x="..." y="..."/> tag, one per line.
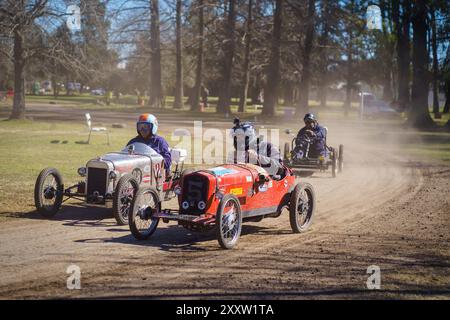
<point x="49" y="193"/>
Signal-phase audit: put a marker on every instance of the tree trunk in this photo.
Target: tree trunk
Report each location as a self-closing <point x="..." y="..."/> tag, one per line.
<point x="403" y="54"/>
<point x="195" y="105"/>
<point x="288" y="94"/>
<point x="246" y="68"/>
<point x="273" y="69"/>
<point x="419" y="115"/>
<point x="387" y="53"/>
<point x="18" y="111"/>
<point x="349" y="76"/>
<point x="223" y="105"/>
<point x="323" y="83"/>
<point x="447" y="97"/>
<point x="178" y="103"/>
<point x="306" y="49"/>
<point x="155" y="98"/>
<point x="435" y="62"/>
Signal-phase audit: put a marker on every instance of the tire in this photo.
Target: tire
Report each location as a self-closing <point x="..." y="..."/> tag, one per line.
<point x="301" y="195"/>
<point x="122" y="199"/>
<point x="222" y="225"/>
<point x="341" y="158"/>
<point x="142" y="227"/>
<point x="333" y="163"/>
<point x="48" y="197"/>
<point x="287" y="151"/>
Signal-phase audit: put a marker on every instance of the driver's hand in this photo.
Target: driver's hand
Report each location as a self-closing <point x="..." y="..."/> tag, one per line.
<point x="310" y="133"/>
<point x="252" y="156"/>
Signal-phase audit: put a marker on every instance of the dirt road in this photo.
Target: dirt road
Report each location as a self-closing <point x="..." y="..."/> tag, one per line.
<point x="384" y="210"/>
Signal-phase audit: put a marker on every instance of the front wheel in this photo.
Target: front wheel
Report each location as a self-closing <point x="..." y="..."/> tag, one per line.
<point x="123" y="197"/>
<point x="48" y="192"/>
<point x="145" y="203"/>
<point x="228" y="221"/>
<point x="333" y="163"/>
<point x="301" y="207"/>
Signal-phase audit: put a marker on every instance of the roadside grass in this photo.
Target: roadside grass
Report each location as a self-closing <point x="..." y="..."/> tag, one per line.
<point x="427" y="146"/>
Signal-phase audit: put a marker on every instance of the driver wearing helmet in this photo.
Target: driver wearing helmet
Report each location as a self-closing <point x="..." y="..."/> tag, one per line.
<point x="250" y="148"/>
<point x="147" y="126"/>
<point x="315" y="133"/>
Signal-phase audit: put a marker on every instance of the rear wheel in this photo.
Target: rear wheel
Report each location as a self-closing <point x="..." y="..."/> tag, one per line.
<point x="341" y="158"/>
<point x="48" y="192"/>
<point x="123" y="197"/>
<point x="145" y="203"/>
<point x="333" y="163"/>
<point x="228" y="221"/>
<point x="301" y="207"/>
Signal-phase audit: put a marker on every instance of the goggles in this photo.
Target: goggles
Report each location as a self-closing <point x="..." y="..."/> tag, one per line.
<point x="144" y="127"/>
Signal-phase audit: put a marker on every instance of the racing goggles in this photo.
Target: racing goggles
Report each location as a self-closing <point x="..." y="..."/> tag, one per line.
<point x="144" y="127"/>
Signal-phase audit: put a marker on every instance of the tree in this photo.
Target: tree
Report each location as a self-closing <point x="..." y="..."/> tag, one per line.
<point x="228" y="49"/>
<point x="273" y="69"/>
<point x="306" y="61"/>
<point x="246" y="66"/>
<point x="178" y="103"/>
<point x="435" y="61"/>
<point x="17" y="18"/>
<point x="402" y="20"/>
<point x="155" y="99"/>
<point x="195" y="101"/>
<point x="323" y="43"/>
<point x="419" y="115"/>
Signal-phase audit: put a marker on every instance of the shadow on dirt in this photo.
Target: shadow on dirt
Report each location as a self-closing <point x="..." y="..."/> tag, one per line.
<point x="72" y="215"/>
<point x="324" y="294"/>
<point x="175" y="238"/>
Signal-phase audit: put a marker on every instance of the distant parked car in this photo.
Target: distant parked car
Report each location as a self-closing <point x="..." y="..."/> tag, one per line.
<point x="98" y="92"/>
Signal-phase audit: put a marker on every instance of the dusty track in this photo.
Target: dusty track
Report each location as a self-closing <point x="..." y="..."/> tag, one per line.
<point x="383" y="210"/>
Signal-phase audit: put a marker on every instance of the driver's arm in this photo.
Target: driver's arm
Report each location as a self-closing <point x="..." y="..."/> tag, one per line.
<point x="271" y="163"/>
<point x="165" y="153"/>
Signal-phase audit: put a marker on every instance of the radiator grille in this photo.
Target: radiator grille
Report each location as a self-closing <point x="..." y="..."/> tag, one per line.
<point x="195" y="189"/>
<point x="96" y="181"/>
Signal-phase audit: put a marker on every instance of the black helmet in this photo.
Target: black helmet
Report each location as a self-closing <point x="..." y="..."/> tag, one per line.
<point x="245" y="131"/>
<point x="309" y="117"/>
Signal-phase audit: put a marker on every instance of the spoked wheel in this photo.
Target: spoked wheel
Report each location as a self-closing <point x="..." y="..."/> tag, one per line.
<point x="48" y="192"/>
<point x="341" y="158"/>
<point x="145" y="203"/>
<point x="123" y="197"/>
<point x="301" y="207"/>
<point x="333" y="163"/>
<point x="228" y="221"/>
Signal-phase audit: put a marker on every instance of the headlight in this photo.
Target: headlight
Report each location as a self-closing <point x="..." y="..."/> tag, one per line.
<point x="112" y="175"/>
<point x="82" y="171"/>
<point x="201" y="205"/>
<point x="185" y="205"/>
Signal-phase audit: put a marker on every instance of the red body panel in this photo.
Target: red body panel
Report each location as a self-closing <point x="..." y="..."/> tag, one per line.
<point x="242" y="180"/>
